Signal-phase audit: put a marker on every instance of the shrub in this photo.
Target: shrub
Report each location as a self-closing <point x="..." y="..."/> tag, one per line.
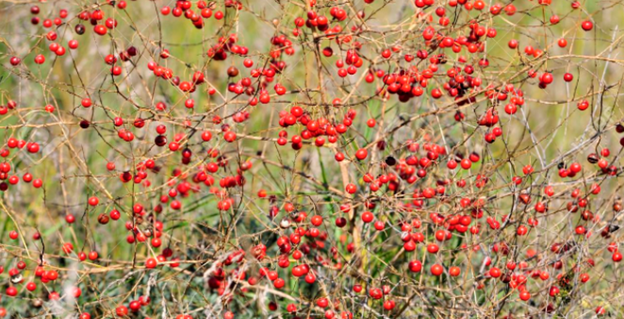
<point x="311" y="159"/>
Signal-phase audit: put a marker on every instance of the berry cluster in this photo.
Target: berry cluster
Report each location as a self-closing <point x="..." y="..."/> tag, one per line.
<point x="311" y="159"/>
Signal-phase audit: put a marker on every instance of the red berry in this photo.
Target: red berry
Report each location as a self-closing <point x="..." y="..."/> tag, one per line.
<point x="437" y="270"/>
<point x="361" y="154"/>
<point x="587" y="25"/>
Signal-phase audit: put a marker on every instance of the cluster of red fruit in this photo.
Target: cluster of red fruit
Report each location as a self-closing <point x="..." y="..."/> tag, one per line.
<point x="338" y="167"/>
<point x="205" y="10"/>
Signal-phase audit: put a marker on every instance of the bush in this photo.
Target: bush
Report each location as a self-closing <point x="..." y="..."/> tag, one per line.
<point x="311" y="159"/>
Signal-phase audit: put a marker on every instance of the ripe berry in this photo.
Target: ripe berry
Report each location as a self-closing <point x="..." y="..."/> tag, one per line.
<point x="86" y="102"/>
<point x="454" y="271"/>
<point x="151" y="263"/>
<point x="11" y="291"/>
<point x="39" y="59"/>
<point x="437" y="270"/>
<point x="361" y="154"/>
<point x="367" y="217"/>
<point x="31" y="286"/>
<point x="587" y="25"/>
<point x="495" y="272"/>
<point x="93" y="201"/>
